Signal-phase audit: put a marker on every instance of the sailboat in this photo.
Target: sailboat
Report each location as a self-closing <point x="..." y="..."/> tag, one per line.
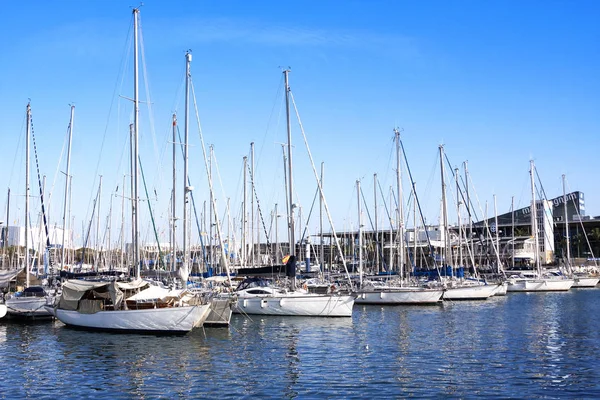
<point x="580" y="280"/>
<point x="458" y="289"/>
<point x="29" y="303"/>
<point x="373" y="292"/>
<point x="536" y="281"/>
<point x="261" y="296"/>
<point x="134" y="306"/>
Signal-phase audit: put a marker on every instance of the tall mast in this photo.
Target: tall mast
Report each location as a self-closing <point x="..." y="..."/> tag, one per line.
<point x="290" y="171"/>
<point x="400" y="208"/>
<point x="122" y="220"/>
<point x="98" y="244"/>
<point x="210" y="211"/>
<point x="512" y="208"/>
<point x="458" y="203"/>
<point x="276" y="234"/>
<point x="64" y="221"/>
<point x="173" y="199"/>
<point x="470" y="220"/>
<point x="376" y="231"/>
<point x="135" y="161"/>
<point x="244" y="221"/>
<point x="186" y="188"/>
<point x="497" y="246"/>
<point x="252" y="243"/>
<point x="391" y="267"/>
<point x="568" y="263"/>
<point x="534" y="219"/>
<point x="444" y="221"/>
<point x="360" y="261"/>
<point x="322" y="250"/>
<point x="415" y="236"/>
<point x="27" y="136"/>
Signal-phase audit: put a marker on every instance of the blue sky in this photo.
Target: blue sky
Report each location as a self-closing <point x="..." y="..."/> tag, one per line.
<point x="498" y="83"/>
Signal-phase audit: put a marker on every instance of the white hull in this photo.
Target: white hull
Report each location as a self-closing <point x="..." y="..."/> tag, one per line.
<point x="155" y="320"/>
<point x="28" y="307"/>
<point x="308" y="305"/>
<point x="540" y="285"/>
<point x="585" y="282"/>
<point x="501" y="289"/>
<point x="399" y="296"/>
<point x="474" y="292"/>
<point x="3" y="310"/>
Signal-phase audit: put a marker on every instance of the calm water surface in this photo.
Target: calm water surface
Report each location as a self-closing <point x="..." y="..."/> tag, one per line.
<point x="519" y="346"/>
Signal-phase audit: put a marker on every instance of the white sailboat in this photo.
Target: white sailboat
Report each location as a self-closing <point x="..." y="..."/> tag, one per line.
<point x="580" y="279"/>
<point x="30" y="302"/>
<point x="458" y="289"/>
<point x="259" y="296"/>
<point x="536" y="281"/>
<point x="136" y="306"/>
<point x="372" y="292"/>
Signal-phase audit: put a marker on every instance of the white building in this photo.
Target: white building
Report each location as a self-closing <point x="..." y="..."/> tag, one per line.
<point x="37" y="237"/>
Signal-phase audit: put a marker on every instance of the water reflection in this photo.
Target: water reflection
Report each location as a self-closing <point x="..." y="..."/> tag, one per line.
<point x="522" y="345"/>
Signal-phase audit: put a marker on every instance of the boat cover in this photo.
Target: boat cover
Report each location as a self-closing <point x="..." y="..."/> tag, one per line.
<point x="73" y="290"/>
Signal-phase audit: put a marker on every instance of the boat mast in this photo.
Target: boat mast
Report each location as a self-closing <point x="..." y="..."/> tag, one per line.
<point x="360" y="238"/>
<point x="186" y="187"/>
<point x="252" y="243"/>
<point x="470" y="242"/>
<point x="98" y="244"/>
<point x="244" y="211"/>
<point x="497" y="247"/>
<point x="290" y="172"/>
<point x="568" y="263"/>
<point x="27" y="135"/>
<point x="135" y="160"/>
<point x="210" y="212"/>
<point x="400" y="208"/>
<point x="64" y="221"/>
<point x="376" y="231"/>
<point x="173" y="199"/>
<point x="458" y="203"/>
<point x="534" y="220"/>
<point x="322" y="250"/>
<point x="512" y="207"/>
<point x="444" y="231"/>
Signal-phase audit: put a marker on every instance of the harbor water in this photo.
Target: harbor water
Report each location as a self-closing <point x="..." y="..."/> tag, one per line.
<point x="523" y="345"/>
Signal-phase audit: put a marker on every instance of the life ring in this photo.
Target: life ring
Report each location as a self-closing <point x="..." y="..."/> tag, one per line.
<point x="305" y="286"/>
<point x="333" y="288"/>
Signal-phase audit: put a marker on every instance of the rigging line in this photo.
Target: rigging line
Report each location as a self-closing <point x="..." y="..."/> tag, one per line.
<point x="160" y="263"/>
<point x="149" y="101"/>
<point x="305" y="230"/>
<point x="431" y="252"/>
<point x="228" y="211"/>
<point x="385" y="204"/>
<point x="582" y="226"/>
<point x="19" y="142"/>
<point x="37" y="166"/>
<point x="377" y="243"/>
<point x="320" y="189"/>
<point x="278" y="94"/>
<point x="262" y="220"/>
<point x="204" y="255"/>
<point x="87" y="236"/>
<point x="112" y="102"/>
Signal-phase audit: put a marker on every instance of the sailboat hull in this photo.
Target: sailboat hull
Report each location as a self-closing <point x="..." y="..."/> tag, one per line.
<point x="400" y="296"/>
<point x="28" y="307"/>
<point x="474" y="292"/>
<point x="540" y="285"/>
<point x="585" y="282"/>
<point x="3" y="310"/>
<point x="308" y="305"/>
<point x="171" y="320"/>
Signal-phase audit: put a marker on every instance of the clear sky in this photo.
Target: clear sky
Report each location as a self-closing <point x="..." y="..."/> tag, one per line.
<point x="497" y="82"/>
